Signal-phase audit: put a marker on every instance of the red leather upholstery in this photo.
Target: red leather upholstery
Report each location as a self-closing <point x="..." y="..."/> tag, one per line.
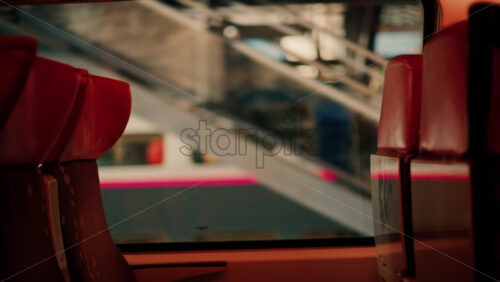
<point x="443" y="127"/>
<point x="27" y="252"/>
<point x="105" y="114"/>
<point x="397" y="137"/>
<point x="454" y="187"/>
<point x="17" y="55"/>
<point x="400" y="115"/>
<point x="26" y="248"/>
<point x="37" y="122"/>
<point x="94" y="256"/>
<point x="102" y="119"/>
<point x="61" y="114"/>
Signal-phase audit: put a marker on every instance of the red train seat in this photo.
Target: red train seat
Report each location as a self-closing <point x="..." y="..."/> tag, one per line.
<point x="30" y="242"/>
<point x="61" y="120"/>
<point x="92" y="255"/>
<point x="441" y="207"/>
<point x="397" y="140"/>
<point x="454" y="180"/>
<point x="444" y="120"/>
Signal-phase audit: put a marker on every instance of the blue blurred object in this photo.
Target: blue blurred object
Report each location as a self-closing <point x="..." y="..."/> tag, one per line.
<point x="266" y="48"/>
<point x="333" y="124"/>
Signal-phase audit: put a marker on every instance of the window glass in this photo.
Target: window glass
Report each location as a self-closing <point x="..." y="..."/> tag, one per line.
<point x="134" y="149"/>
<point x="250" y="121"/>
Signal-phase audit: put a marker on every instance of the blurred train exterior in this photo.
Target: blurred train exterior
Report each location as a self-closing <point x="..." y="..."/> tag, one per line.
<point x="223" y="202"/>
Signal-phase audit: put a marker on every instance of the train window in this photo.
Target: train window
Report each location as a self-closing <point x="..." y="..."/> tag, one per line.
<point x="134" y="149"/>
<point x="249" y="121"/>
<point x="397" y="33"/>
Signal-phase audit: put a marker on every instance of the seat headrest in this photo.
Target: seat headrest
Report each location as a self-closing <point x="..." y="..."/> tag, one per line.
<point x="103" y="119"/>
<point x="17" y="54"/>
<point x="61" y="113"/>
<point x="35" y="124"/>
<point x="443" y="125"/>
<point x="400" y="114"/>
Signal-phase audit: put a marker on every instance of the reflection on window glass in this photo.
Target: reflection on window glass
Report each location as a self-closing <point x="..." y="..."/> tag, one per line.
<point x="249" y="122"/>
<point x="399" y="31"/>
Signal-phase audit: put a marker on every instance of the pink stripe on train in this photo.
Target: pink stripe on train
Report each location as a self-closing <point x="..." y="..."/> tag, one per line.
<point x="168" y="183"/>
<point x="422" y="176"/>
<point x="324" y="174"/>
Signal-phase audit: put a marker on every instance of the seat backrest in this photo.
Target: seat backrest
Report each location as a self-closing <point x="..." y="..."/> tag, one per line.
<point x="92" y="254"/>
<point x="441" y="189"/>
<point x="454" y="180"/>
<point x="61" y="120"/>
<point x="29" y="242"/>
<point x="460" y="90"/>
<point x="397" y="139"/>
<point x="444" y="126"/>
